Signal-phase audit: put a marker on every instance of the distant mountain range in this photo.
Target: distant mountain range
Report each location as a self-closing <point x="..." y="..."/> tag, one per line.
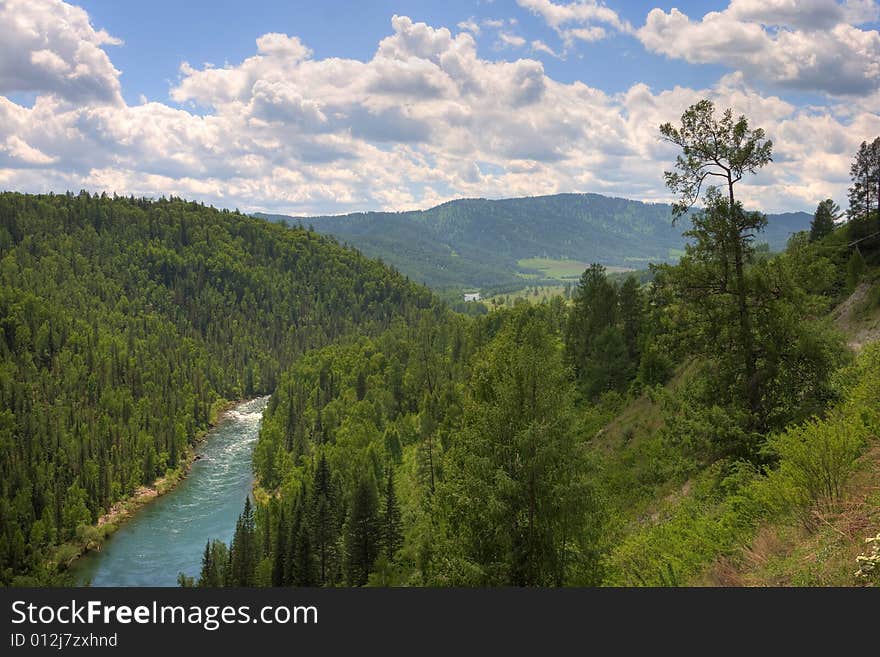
<point x="479" y="243"/>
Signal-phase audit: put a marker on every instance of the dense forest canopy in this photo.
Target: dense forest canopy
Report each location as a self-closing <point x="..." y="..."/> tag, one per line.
<point x="124" y="321"/>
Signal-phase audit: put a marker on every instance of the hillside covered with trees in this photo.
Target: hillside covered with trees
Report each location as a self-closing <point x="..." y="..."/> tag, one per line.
<point x="125" y="323"/>
<point x="479" y="243"/>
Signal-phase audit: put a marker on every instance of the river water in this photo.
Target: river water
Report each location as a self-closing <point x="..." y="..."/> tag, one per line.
<point x="168" y="535"/>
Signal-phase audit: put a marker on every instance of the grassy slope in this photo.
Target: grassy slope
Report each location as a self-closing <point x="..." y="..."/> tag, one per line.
<point x="784" y="552"/>
<point x="702" y="536"/>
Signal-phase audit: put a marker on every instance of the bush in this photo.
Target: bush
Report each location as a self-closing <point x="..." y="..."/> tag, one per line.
<point x="816" y="459"/>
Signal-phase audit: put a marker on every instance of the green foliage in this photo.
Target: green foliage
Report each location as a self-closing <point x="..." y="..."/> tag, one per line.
<point x="712" y="146"/>
<point x="215" y="565"/>
<point x="185" y="581"/>
<point x="391" y="534"/>
<point x="655" y="365"/>
<point x="816" y="460"/>
<point x="864" y="194"/>
<point x="770" y="360"/>
<point x="717" y="515"/>
<point x="603" y="332"/>
<point x="519" y="502"/>
<point x="722" y="504"/>
<point x="362" y="533"/>
<point x="347" y="417"/>
<point x="855" y="268"/>
<point x="394" y="409"/>
<point x="817" y="457"/>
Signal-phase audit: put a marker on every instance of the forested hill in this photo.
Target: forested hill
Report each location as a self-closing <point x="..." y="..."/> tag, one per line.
<point x="478" y="242"/>
<point x="124" y="322"/>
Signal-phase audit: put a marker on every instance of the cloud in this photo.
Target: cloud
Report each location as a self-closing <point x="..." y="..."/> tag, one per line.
<point x="539" y="46"/>
<point x="470" y="25"/>
<point x="49" y="46"/>
<point x="423" y="120"/>
<point x="805" y="45"/>
<point x="512" y="40"/>
<point x="23" y="153"/>
<point x="577" y="20"/>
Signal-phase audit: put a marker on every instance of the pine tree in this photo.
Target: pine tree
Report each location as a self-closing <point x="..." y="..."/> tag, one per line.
<point x="823" y="220"/>
<point x="279" y="550"/>
<point x="631" y="315"/>
<point x="392" y="537"/>
<point x="362" y="534"/>
<point x="864" y="194"/>
<point x="727" y="149"/>
<point x="215" y="564"/>
<point x="243" y="552"/>
<point x="594" y="309"/>
<point x="325" y="520"/>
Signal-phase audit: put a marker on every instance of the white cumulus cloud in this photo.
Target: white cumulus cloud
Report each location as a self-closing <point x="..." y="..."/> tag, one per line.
<point x="581" y="20"/>
<point x="811" y="45"/>
<point x="49" y="46"/>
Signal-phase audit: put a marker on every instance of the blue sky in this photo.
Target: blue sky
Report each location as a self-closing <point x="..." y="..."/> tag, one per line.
<point x="328" y="107"/>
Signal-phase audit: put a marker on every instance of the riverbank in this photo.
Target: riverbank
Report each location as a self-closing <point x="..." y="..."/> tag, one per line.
<point x="92" y="537"/>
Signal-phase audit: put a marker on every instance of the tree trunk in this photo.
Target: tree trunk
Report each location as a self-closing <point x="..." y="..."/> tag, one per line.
<point x="745" y="325"/>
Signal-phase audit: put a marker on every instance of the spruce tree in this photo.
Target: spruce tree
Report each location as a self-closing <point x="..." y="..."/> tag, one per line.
<point x="280" y="549"/>
<point x="243" y="553"/>
<point x="215" y="564"/>
<point x="325" y="521"/>
<point x="823" y="220"/>
<point x="362" y="534"/>
<point x="594" y="310"/>
<point x="631" y="315"/>
<point x="207" y="566"/>
<point x="392" y="537"/>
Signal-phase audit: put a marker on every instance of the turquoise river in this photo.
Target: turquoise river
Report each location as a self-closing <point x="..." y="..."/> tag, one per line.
<point x="167" y="536"/>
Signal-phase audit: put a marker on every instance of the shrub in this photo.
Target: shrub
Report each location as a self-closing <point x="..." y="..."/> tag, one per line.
<point x="816" y="460"/>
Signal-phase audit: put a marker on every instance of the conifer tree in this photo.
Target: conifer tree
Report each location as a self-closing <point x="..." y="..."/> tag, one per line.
<point x="631" y="308"/>
<point x="362" y="533"/>
<point x="594" y="310"/>
<point x="215" y="564"/>
<point x="243" y="552"/>
<point x="392" y="537"/>
<point x="279" y="549"/>
<point x="325" y="521"/>
<point x="826" y="214"/>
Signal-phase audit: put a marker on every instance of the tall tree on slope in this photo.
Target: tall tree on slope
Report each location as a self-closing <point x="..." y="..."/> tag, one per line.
<point x="721" y="150"/>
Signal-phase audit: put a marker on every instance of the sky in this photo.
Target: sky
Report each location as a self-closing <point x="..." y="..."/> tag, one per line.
<point x="332" y="107"/>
